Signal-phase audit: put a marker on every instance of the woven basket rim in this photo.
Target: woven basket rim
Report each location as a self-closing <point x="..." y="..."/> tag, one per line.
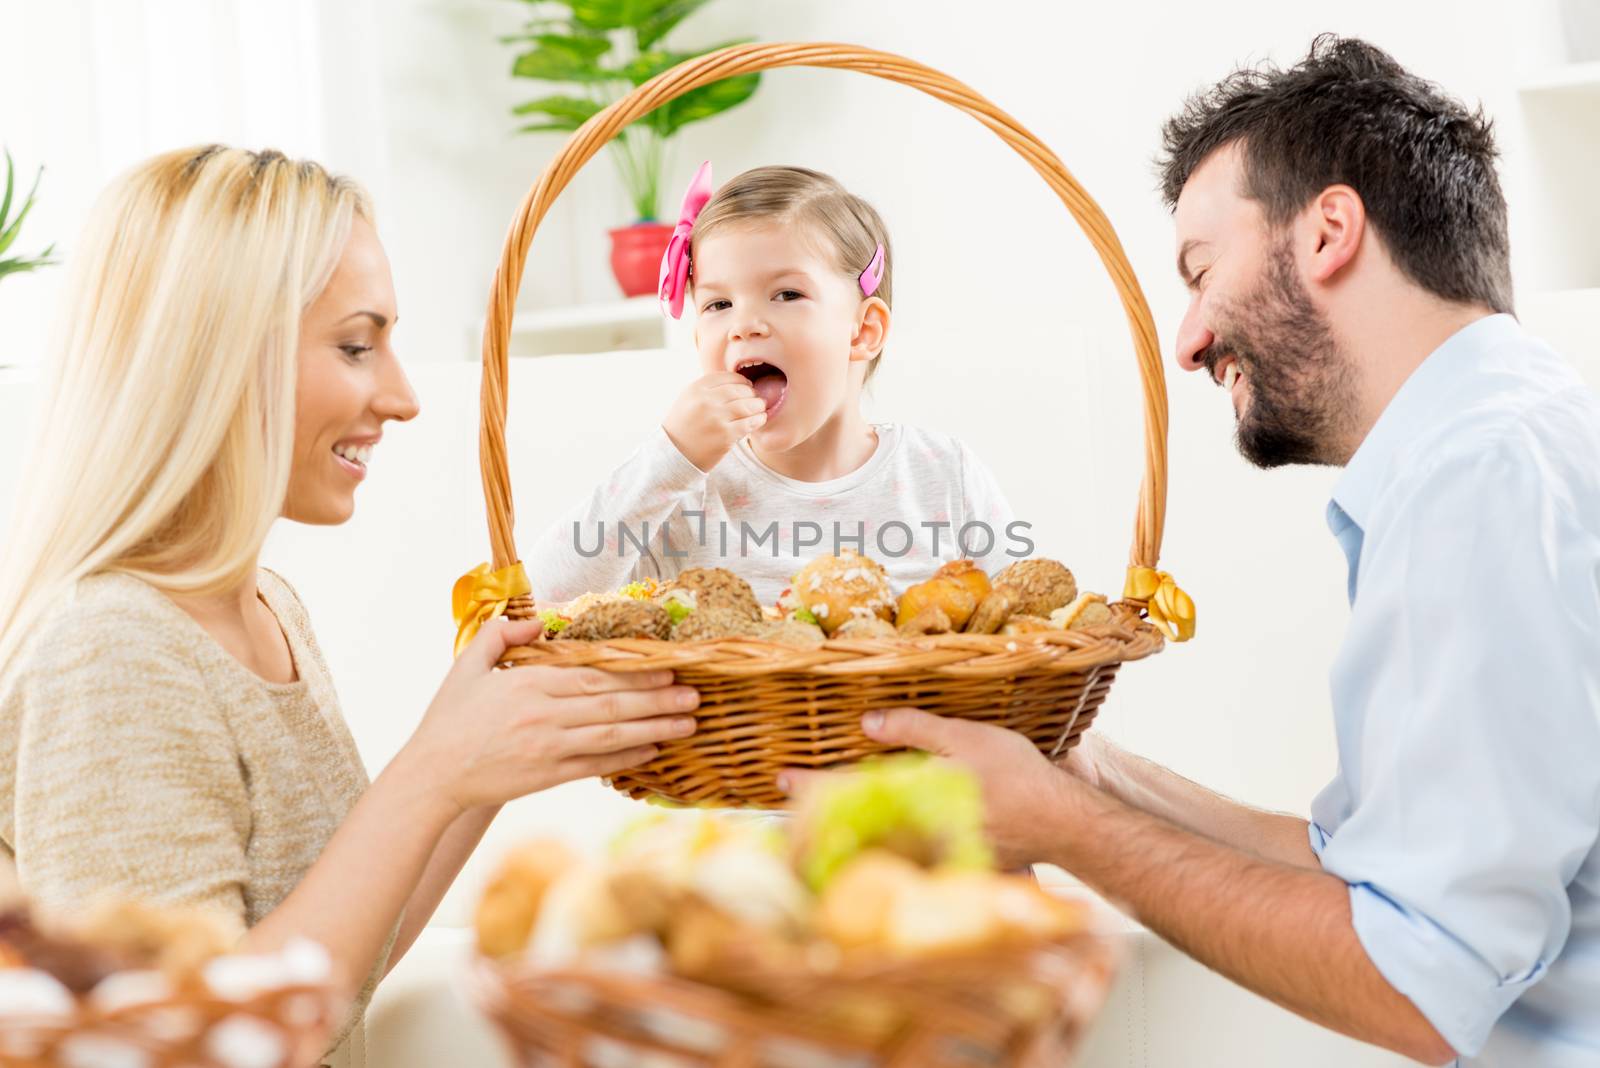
<point x="854" y="967"/>
<point x="1054" y="651"/>
<point x="587" y="141"/>
<point x="208" y="1008"/>
<point x="516" y="994"/>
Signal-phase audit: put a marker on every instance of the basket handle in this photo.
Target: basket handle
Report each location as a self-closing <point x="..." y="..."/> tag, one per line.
<point x="593" y="135"/>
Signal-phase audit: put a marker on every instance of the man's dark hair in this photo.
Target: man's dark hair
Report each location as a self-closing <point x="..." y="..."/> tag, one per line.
<point x="1348" y="113"/>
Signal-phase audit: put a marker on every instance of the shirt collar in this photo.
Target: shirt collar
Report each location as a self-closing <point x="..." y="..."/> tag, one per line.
<point x="1415" y="407"/>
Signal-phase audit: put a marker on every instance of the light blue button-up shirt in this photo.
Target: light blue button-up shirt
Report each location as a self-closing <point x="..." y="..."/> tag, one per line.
<point x="1466" y="809"/>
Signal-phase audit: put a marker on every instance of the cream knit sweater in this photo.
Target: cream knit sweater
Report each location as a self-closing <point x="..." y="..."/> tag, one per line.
<point x="138" y="757"/>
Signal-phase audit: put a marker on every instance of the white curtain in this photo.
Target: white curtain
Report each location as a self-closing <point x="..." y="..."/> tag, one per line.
<point x="90" y="87"/>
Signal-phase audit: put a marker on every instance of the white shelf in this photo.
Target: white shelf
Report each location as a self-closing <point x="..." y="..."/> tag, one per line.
<point x="1567" y="80"/>
<point x="1561" y="137"/>
<point x="635" y="323"/>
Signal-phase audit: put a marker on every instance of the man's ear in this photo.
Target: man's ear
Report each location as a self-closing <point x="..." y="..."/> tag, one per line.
<point x="1336" y="224"/>
<point x="872" y="329"/>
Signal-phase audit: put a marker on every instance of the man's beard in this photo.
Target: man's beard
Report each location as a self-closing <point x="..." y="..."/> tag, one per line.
<point x="1301" y="404"/>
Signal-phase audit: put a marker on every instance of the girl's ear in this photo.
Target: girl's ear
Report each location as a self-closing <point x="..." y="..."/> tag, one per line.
<point x="872" y="329"/>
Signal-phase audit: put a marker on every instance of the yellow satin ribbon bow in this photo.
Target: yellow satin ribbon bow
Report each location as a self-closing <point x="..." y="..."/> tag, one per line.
<point x="1169" y="608"/>
<point x="481" y="594"/>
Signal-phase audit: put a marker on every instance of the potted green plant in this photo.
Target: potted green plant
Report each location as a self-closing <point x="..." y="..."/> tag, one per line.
<point x="598" y="50"/>
<point x="10" y="227"/>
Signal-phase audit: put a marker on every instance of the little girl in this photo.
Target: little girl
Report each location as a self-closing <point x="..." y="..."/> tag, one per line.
<point x="765" y="461"/>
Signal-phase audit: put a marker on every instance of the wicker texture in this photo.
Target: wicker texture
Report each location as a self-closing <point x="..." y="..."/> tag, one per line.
<point x="764" y="706"/>
<point x="1022" y="1008"/>
<point x="177" y="1032"/>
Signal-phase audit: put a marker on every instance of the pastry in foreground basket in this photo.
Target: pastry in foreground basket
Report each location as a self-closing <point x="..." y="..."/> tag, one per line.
<point x="887" y="861"/>
<point x="128" y="984"/>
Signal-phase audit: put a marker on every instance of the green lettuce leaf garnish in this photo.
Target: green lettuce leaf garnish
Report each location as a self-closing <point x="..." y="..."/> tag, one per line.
<point x="926" y="810"/>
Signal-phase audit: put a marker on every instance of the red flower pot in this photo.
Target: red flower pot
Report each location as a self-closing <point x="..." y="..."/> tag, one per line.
<point x="636" y="253"/>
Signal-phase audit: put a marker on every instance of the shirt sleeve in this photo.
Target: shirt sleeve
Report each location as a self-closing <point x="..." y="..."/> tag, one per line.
<point x="128" y="782"/>
<point x="987" y="515"/>
<point x="1475" y="633"/>
<point x="615" y="535"/>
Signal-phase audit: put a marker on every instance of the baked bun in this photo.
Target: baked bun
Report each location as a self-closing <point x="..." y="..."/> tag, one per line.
<point x="951" y="596"/>
<point x="1039" y="585"/>
<point x="1025" y="624"/>
<point x="993" y="611"/>
<point x="866" y="628"/>
<point x="620" y="619"/>
<point x="837" y="589"/>
<point x="719" y="621"/>
<point x="968" y="574"/>
<point x="1088" y="610"/>
<point x="792" y="632"/>
<point x="713" y="587"/>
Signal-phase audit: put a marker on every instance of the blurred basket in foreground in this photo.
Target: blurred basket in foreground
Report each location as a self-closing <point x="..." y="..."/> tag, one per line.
<point x="76" y="1004"/>
<point x="1028" y="1008"/>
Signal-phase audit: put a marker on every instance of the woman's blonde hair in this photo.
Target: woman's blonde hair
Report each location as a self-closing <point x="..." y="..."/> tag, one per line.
<point x="165" y="438"/>
<point x="850" y="229"/>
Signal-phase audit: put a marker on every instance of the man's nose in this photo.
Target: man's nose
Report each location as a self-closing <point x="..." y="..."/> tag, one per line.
<point x="1194" y="337"/>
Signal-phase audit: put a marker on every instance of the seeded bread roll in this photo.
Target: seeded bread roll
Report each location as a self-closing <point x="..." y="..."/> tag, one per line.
<point x="620" y="619"/>
<point x="1039" y="585"/>
<point x="716" y="622"/>
<point x="715" y="587"/>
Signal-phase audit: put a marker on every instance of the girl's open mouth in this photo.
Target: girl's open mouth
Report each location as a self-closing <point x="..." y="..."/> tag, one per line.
<point x="769" y="382"/>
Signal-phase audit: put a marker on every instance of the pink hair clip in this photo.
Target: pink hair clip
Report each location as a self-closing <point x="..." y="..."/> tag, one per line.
<point x="873" y="275"/>
<point x="674" y="280"/>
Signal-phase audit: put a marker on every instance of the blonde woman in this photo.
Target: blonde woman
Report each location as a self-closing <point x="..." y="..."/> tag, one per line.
<point x="167" y="726"/>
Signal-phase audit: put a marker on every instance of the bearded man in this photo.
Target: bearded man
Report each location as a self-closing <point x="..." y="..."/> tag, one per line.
<point x="1342" y="234"/>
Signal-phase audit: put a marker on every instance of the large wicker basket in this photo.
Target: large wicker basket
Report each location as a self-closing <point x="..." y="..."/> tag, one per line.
<point x="765" y="707"/>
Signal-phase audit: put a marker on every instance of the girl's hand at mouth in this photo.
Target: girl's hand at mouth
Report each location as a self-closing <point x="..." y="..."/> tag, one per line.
<point x="712" y="415"/>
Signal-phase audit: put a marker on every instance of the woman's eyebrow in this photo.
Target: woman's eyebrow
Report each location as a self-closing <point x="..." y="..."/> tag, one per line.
<point x="381" y="320"/>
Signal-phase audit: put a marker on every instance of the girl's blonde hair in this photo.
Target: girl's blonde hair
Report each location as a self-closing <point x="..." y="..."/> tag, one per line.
<point x="165" y="439"/>
<point x="850" y="229"/>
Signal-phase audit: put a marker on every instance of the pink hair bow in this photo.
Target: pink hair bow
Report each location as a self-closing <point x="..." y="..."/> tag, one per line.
<point x="872" y="277"/>
<point x="675" y="262"/>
